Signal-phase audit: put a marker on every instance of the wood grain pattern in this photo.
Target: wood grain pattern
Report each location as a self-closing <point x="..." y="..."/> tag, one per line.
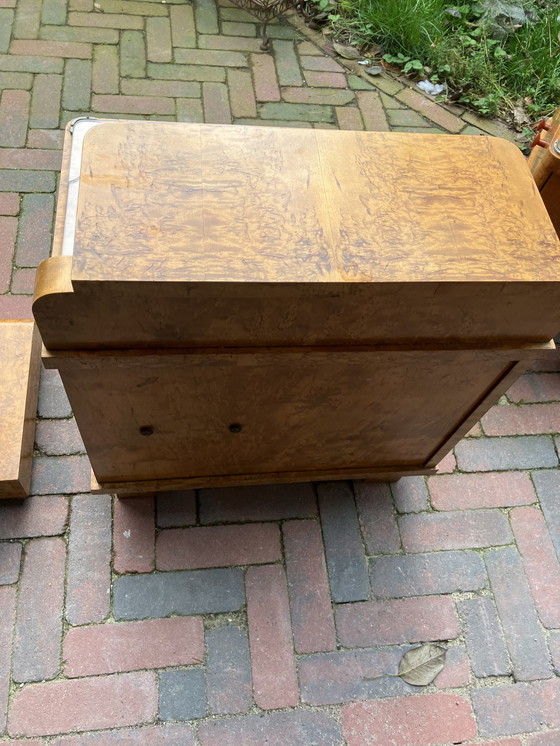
<point x="350" y="301"/>
<point x="20" y="354"/>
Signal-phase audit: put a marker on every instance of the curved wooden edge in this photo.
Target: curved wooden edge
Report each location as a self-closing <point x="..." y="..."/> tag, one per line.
<point x="373" y="474"/>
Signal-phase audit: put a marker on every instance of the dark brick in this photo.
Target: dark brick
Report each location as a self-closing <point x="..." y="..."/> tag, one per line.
<point x="267" y="503"/>
<point x="206" y="17"/>
<point x="541" y="564"/>
<point x="457" y="671"/>
<point x="45" y="101"/>
<point x="554" y="647"/>
<point x="287" y="65"/>
<point x="523" y="634"/>
<point x="66" y="475"/>
<point x="425" y="532"/>
<point x="228" y="671"/>
<point x="403" y="620"/>
<point x="378" y="522"/>
<point x="552" y="738"/>
<point x="308" y="587"/>
<point x="270" y="638"/>
<point x="186" y="72"/>
<point x="58" y="437"/>
<point x="89" y="558"/>
<point x="9" y="204"/>
<point x="30" y="63"/>
<point x="132" y="646"/>
<point x="7" y="619"/>
<point x="518" y="708"/>
<point x="182" y="695"/>
<point x="427" y="719"/>
<point x="23" y="281"/>
<point x="188" y="592"/>
<point x="411" y="495"/>
<point x="484" y="637"/>
<point x="62" y="706"/>
<point x="10" y="559"/>
<point x="179" y="734"/>
<point x="28" y="19"/>
<point x="39" y="614"/>
<point x="324" y="64"/>
<point x="183" y="31"/>
<point x="333" y="678"/>
<point x="217" y="546"/>
<point x="76" y="92"/>
<point x="134" y="535"/>
<point x="54" y="11"/>
<point x="14" y="112"/>
<point x="105" y="72"/>
<point x="176" y="508"/>
<point x="344" y="550"/>
<point x="26" y="181"/>
<point x="6" y="22"/>
<point x="427" y="574"/>
<point x="502" y="454"/>
<point x="547" y="484"/>
<point x="534" y="387"/>
<point x="53" y="401"/>
<point x="8" y="233"/>
<point x="28" y="158"/>
<point x="297" y="728"/>
<point x="133" y="55"/>
<point x="491" y="490"/>
<point x="68" y="34"/>
<point x="51" y="48"/>
<point x="35" y="516"/>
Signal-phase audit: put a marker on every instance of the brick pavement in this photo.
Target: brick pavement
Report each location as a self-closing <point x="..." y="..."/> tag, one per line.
<point x="253" y="616"/>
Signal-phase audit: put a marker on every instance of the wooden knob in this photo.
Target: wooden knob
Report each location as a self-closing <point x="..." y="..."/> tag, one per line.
<point x="539" y="142"/>
<point x="543" y="125"/>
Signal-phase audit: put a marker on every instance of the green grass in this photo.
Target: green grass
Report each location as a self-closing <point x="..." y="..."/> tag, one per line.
<point x="491" y="75"/>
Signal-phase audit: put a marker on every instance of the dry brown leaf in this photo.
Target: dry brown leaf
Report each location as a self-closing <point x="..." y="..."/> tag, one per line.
<point x="420" y="666"/>
<point x="346" y="51"/>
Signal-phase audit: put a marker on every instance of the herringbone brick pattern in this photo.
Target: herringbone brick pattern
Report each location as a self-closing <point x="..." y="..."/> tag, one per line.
<point x="244" y="617"/>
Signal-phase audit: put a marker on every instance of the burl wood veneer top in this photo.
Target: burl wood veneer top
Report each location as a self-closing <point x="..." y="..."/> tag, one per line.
<point x="193" y="202"/>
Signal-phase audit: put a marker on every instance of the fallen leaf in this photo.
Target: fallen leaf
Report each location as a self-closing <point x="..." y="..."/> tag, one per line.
<point x="346" y="51"/>
<point x="420" y="666"/>
<point x="97" y="7"/>
<point x="453" y="12"/>
<point x="520" y="118"/>
<point x="374" y="70"/>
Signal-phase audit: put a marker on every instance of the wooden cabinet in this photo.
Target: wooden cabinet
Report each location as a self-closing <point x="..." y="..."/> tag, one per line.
<point x="245" y="305"/>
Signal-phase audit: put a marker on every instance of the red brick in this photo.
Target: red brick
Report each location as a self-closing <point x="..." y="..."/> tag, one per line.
<point x="270" y="639"/>
<point x="134" y="535"/>
<point x="158" y="40"/>
<point x="308" y="587"/>
<point x="10" y="560"/>
<point x="172" y="734"/>
<point x="183" y="31"/>
<point x="23" y="282"/>
<point x="349" y="118"/>
<point x="448" y="464"/>
<point x="490" y="490"/>
<point x="62" y="706"/>
<point x="372" y="110"/>
<point x="133" y="104"/>
<point x="542" y="739"/>
<point x="132" y="646"/>
<point x="176" y="508"/>
<point x="267" y="503"/>
<point x="540" y="562"/>
<point x="533" y="387"/>
<point x="241" y="93"/>
<point x="526" y="419"/>
<point x="457" y="671"/>
<point x="517" y="708"/>
<point x="89" y="557"/>
<point x="15" y="307"/>
<point x="378" y="522"/>
<point x="8" y="233"/>
<point x="39" y="613"/>
<point x="47" y="139"/>
<point x="431" y="110"/>
<point x="217" y="546"/>
<point x="14" y="114"/>
<point x="502" y="742"/>
<point x="35" y="516"/>
<point x="105" y="72"/>
<point x="79" y="50"/>
<point x="264" y="75"/>
<point x="9" y="204"/>
<point x="324" y="64"/>
<point x="404" y="721"/>
<point x="423" y="532"/>
<point x="216" y="103"/>
<point x="397" y="621"/>
<point x="325" y="80"/>
<point x="48" y="160"/>
<point x="7" y="619"/>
